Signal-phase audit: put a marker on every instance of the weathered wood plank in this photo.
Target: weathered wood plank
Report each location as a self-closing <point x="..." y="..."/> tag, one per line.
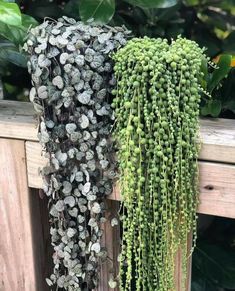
<point x="217" y="140"/>
<point x="41" y="238"/>
<point x="17" y="120"/>
<point x="35" y="162"/>
<point x="217" y="183"/>
<point x="111" y="241"/>
<point x="17" y="271"/>
<point x="180" y="281"/>
<point x="217" y="189"/>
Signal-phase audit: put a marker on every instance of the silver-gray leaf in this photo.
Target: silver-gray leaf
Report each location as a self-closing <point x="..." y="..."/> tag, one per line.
<point x="69" y="200"/>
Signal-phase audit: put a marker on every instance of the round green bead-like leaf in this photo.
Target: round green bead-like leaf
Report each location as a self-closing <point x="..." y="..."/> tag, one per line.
<point x="152" y="3"/>
<point x="10" y="13"/>
<point x="100" y="11"/>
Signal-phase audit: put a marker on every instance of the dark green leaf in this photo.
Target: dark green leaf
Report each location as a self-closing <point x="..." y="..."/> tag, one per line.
<point x="9" y="53"/>
<point x="201" y="284"/>
<point x="174" y="31"/>
<point x="71" y="9"/>
<point x="207" y="39"/>
<point x="17" y="34"/>
<point x="215" y="108"/>
<point x="204" y="69"/>
<point x="230" y="105"/>
<point x="216" y="264"/>
<point x="14" y="57"/>
<point x="28" y="21"/>
<point x="212" y="107"/>
<point x="168" y="14"/>
<point x="42" y="9"/>
<point x="191" y="2"/>
<point x="229" y="43"/>
<point x="13" y="33"/>
<point x="101" y="11"/>
<point x="10" y="13"/>
<point x="205" y="110"/>
<point x="152" y="3"/>
<point x="220" y="73"/>
<point x="213" y="19"/>
<point x="228" y="4"/>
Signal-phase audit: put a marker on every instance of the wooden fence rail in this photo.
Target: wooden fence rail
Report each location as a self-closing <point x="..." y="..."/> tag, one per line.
<point x="24" y="241"/>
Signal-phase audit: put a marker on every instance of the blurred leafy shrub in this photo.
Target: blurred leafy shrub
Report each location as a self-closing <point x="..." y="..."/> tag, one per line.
<point x="209" y="22"/>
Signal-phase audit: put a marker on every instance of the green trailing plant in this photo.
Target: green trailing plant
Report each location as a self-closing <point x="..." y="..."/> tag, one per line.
<point x="72" y="78"/>
<point x="156" y="129"/>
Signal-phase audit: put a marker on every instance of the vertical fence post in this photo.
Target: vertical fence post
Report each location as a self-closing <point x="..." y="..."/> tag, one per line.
<point x="111" y="240"/>
<point x="21" y="252"/>
<point x="179" y="278"/>
<point x="17" y="262"/>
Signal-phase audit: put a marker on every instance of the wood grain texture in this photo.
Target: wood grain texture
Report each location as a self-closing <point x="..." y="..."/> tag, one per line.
<point x="25" y="251"/>
<point x="111" y="240"/>
<point x="217" y="183"/>
<point x="180" y="282"/>
<point x="35" y="162"/>
<point x="217" y="136"/>
<point x="17" y="271"/>
<point x="217" y="189"/>
<point x="217" y="140"/>
<point x="17" y="120"/>
<point x="41" y="238"/>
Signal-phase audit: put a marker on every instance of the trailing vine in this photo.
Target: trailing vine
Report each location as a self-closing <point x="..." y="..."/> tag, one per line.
<point x="156" y="129"/>
<point x="72" y="77"/>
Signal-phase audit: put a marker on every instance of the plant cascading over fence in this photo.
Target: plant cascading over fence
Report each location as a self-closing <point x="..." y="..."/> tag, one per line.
<point x="72" y="78"/>
<point x="156" y="105"/>
<point x="156" y="127"/>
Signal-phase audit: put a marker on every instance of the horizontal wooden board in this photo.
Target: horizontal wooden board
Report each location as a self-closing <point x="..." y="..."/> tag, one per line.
<point x="217" y="189"/>
<point x="217" y="183"/>
<point x="217" y="136"/>
<point x="217" y="140"/>
<point x="17" y="120"/>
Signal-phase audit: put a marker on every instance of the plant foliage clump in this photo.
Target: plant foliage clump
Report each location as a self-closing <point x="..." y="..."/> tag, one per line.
<point x="156" y="110"/>
<point x="72" y="78"/>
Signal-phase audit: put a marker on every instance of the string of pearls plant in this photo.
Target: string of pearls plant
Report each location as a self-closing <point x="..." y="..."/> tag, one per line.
<point x="156" y="129"/>
<point x="72" y="76"/>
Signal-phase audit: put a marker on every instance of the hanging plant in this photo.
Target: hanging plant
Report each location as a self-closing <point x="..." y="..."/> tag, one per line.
<point x="156" y="129"/>
<point x="72" y="78"/>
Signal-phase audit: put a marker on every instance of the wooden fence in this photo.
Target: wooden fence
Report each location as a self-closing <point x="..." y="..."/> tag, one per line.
<point x="25" y="253"/>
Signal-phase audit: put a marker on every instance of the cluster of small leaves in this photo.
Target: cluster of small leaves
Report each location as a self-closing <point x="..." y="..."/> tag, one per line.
<point x="156" y="110"/>
<point x="72" y="78"/>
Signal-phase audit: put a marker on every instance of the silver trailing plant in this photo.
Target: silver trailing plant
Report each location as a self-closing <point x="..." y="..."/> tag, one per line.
<point x="72" y="79"/>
